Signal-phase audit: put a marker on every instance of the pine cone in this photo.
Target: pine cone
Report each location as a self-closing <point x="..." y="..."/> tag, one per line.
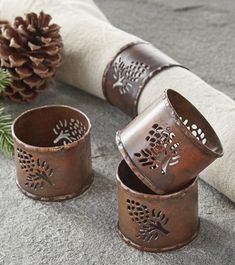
<point x="31" y="51"/>
<point x="139" y="213"/>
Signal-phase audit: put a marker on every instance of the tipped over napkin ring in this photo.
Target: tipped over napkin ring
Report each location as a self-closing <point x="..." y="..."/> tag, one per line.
<point x="169" y="144"/>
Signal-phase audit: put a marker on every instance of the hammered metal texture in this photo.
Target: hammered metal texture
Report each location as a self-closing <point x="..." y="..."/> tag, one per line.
<point x="128" y="73"/>
<point x="151" y="222"/>
<point x="169" y="144"/>
<point x="52" y="152"/>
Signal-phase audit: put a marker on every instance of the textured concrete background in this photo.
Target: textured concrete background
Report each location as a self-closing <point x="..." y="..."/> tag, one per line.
<point x="201" y="35"/>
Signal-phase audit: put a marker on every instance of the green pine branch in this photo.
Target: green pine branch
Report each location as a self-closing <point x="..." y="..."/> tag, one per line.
<point x="5" y="79"/>
<point x="6" y="140"/>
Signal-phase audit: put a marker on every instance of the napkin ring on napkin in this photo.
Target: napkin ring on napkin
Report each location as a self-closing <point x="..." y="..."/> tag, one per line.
<point x="127" y="74"/>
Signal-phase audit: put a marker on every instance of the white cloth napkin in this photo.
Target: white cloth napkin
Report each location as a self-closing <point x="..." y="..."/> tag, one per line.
<point x="91" y="42"/>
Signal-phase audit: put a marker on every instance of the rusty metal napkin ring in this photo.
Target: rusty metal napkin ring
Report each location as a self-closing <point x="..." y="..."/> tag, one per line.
<point x="52" y="152"/>
<point x="169" y="144"/>
<point x="151" y="222"/>
<point x="128" y="73"/>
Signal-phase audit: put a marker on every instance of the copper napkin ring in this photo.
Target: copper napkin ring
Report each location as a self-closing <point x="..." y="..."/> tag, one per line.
<point x="151" y="222"/>
<point x="168" y="144"/>
<point x="127" y="74"/>
<point x="52" y="152"/>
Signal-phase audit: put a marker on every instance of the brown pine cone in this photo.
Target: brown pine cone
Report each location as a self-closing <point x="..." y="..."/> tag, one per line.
<point x="30" y="50"/>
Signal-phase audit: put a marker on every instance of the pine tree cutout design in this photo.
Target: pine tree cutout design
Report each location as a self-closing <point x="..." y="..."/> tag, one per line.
<point x="127" y="75"/>
<point x="38" y="172"/>
<point x="68" y="131"/>
<point x="162" y="151"/>
<point x="195" y="130"/>
<point x="151" y="222"/>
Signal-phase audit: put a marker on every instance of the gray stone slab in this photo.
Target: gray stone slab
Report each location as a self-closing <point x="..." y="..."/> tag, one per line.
<point x="83" y="230"/>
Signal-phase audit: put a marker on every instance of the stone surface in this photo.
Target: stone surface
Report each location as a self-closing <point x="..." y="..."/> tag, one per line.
<point x="199" y="34"/>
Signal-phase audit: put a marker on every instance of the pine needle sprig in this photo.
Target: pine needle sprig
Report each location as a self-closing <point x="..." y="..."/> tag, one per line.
<point x="5" y="79"/>
<point x="6" y="139"/>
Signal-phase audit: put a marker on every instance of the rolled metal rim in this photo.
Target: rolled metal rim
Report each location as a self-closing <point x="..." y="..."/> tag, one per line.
<point x="183" y="127"/>
<point x="50" y="148"/>
<point x="153" y="195"/>
<point x="154" y="250"/>
<point x="56" y="198"/>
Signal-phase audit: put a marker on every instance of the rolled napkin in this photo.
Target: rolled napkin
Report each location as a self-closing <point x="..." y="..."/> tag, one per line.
<point x="92" y="43"/>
